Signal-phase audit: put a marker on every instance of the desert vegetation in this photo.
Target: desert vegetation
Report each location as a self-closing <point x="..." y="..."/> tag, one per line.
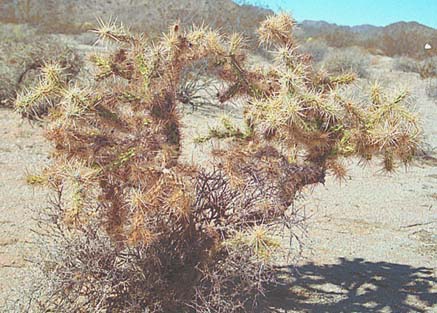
<point x="317" y="49"/>
<point x="426" y="68"/>
<point x="352" y="60"/>
<point x="133" y="227"/>
<point x="24" y="53"/>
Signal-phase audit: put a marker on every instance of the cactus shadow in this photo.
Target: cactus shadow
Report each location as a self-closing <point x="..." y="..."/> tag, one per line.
<point x="353" y="286"/>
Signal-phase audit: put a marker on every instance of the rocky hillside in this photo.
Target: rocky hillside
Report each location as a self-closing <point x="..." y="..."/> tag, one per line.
<point x="143" y="15"/>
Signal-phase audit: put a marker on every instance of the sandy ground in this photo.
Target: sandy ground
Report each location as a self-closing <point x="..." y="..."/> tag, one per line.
<point x="371" y="244"/>
<point x="22" y="149"/>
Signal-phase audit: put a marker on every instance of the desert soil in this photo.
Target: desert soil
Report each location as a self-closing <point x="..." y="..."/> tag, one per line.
<point x="371" y="243"/>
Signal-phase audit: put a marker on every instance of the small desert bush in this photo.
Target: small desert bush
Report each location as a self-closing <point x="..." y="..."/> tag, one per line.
<point x="347" y="60"/>
<point x="134" y="228"/>
<point x="426" y="68"/>
<point x="431" y="88"/>
<point x="196" y="87"/>
<point x="316" y="48"/>
<point x="407" y="65"/>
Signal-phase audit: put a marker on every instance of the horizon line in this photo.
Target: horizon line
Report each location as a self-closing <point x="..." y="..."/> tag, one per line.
<point x="278" y="10"/>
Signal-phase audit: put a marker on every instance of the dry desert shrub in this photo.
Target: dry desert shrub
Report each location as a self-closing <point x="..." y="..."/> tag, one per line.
<point x="318" y="49"/>
<point x="431" y="88"/>
<point x="407" y="65"/>
<point x="347" y="60"/>
<point x="426" y="68"/>
<point x="132" y="227"/>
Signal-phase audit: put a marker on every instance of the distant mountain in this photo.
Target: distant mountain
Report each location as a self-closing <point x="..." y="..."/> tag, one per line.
<point x="401" y="38"/>
<point x="311" y="26"/>
<point x="409" y="26"/>
<point x="366" y="28"/>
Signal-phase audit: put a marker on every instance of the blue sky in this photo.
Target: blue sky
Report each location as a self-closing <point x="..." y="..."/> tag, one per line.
<point x="356" y="12"/>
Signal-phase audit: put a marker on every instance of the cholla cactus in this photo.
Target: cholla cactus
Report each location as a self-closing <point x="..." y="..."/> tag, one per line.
<point x="147" y="232"/>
